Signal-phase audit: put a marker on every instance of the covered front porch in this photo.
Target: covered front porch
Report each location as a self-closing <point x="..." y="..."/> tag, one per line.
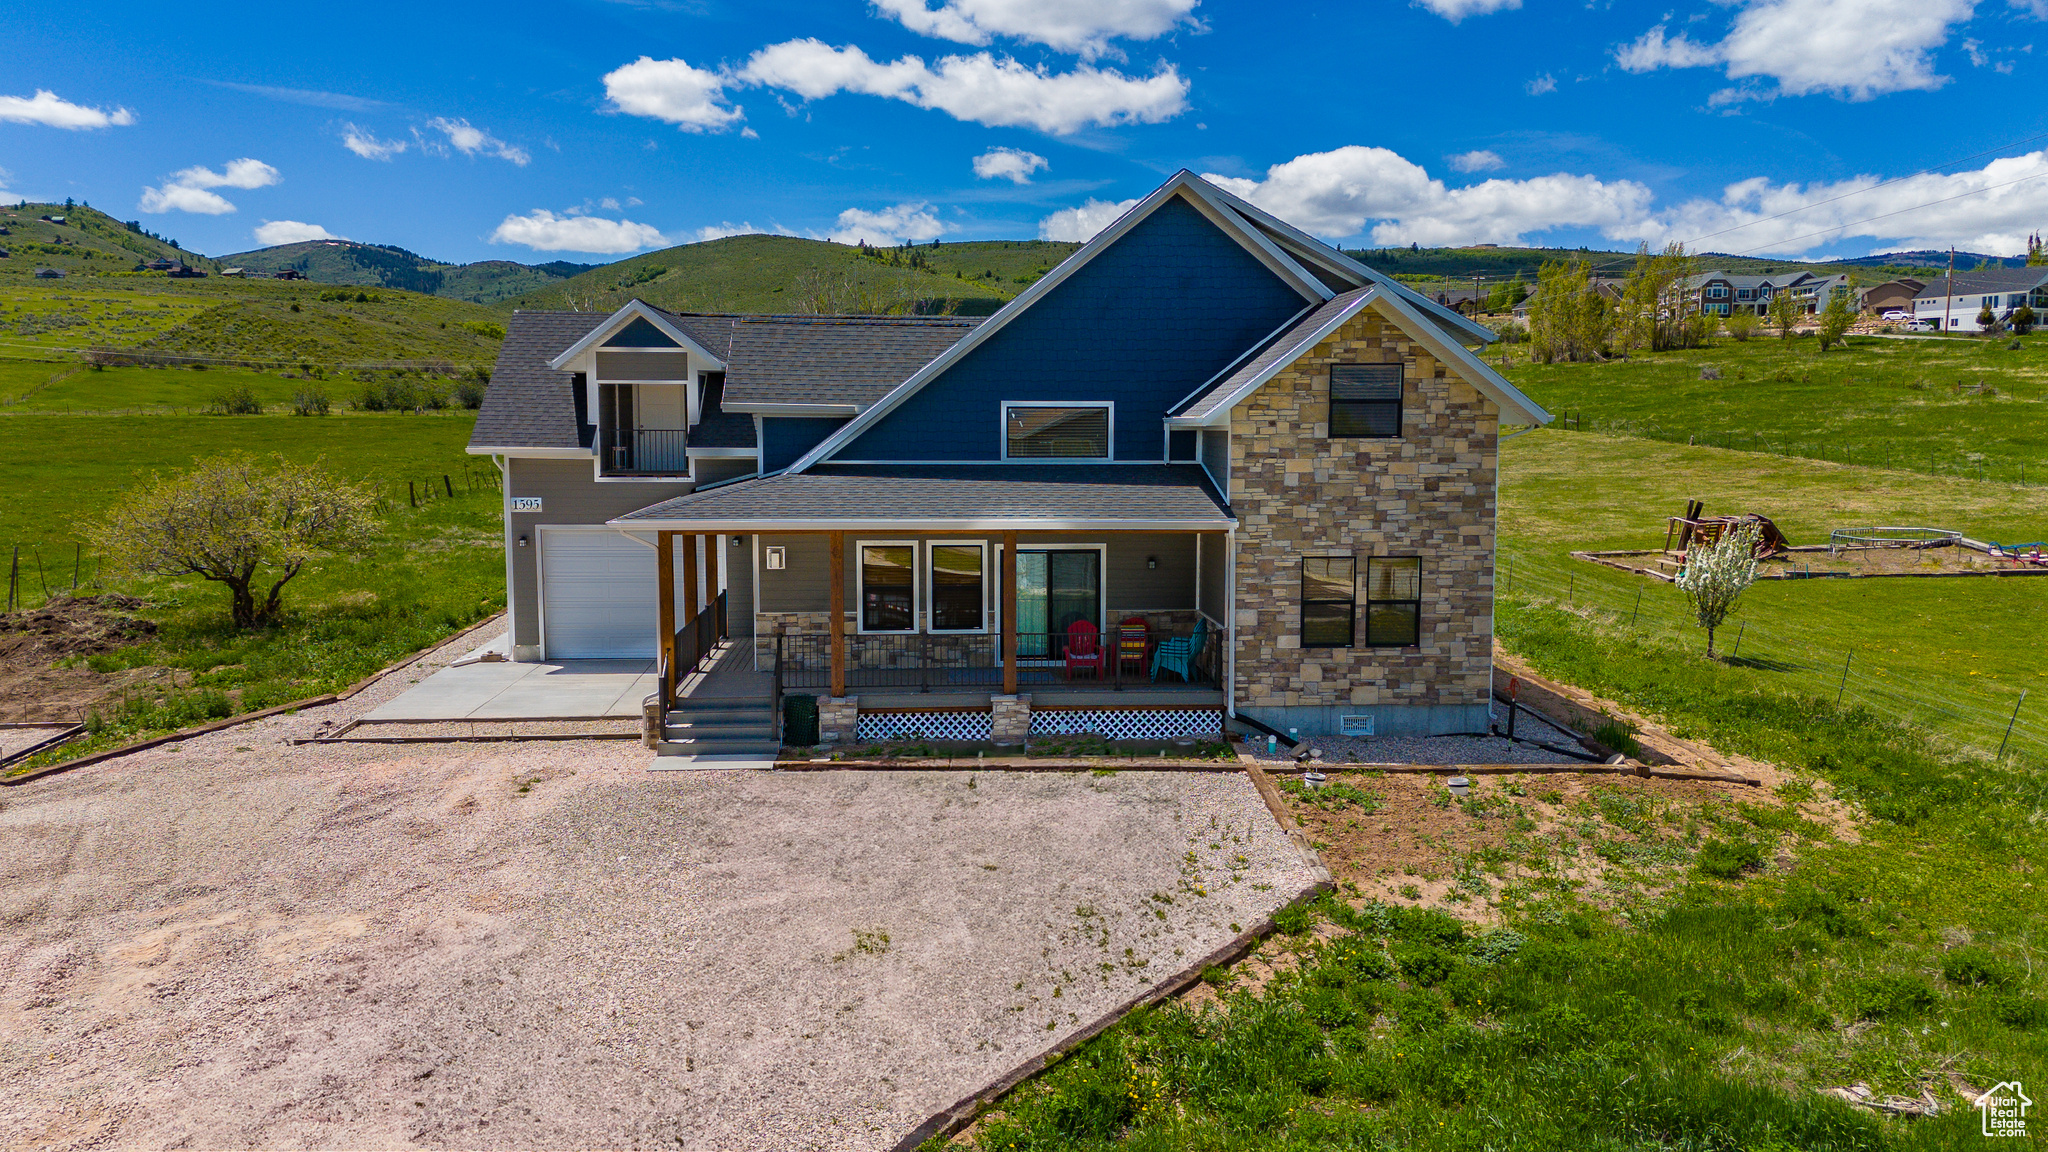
<point x="1007" y="585"/>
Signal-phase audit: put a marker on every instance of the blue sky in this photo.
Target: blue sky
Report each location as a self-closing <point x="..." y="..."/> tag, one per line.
<point x="587" y="130"/>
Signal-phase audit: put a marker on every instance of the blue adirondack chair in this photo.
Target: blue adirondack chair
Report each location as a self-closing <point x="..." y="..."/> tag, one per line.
<point x="1179" y="653"/>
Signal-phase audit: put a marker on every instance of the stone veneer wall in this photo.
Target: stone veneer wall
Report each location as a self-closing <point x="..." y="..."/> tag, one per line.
<point x="1429" y="494"/>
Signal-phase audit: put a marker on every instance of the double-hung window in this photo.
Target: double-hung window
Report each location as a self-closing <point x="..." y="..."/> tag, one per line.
<point x="1393" y="601"/>
<point x="1365" y="401"/>
<point x="1033" y="431"/>
<point x="1329" y="601"/>
<point x="888" y="587"/>
<point x="958" y="585"/>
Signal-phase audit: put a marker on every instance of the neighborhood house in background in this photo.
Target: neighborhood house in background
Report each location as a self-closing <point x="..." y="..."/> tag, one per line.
<point x="1956" y="304"/>
<point x="1207" y="464"/>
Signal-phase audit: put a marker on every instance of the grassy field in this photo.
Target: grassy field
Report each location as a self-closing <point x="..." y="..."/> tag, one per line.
<point x="68" y="386"/>
<point x="1942" y="406"/>
<point x="432" y="568"/>
<point x="259" y="320"/>
<point x="760" y="273"/>
<point x="1952" y="654"/>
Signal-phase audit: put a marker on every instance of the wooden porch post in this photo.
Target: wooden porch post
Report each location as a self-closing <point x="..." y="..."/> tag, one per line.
<point x="690" y="608"/>
<point x="665" y="611"/>
<point x="1009" y="639"/>
<point x="838" y="613"/>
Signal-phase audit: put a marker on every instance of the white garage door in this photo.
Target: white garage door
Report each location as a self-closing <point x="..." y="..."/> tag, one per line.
<point x="597" y="594"/>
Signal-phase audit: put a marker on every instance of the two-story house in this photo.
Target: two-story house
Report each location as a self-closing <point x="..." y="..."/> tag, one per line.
<point x="1208" y="465"/>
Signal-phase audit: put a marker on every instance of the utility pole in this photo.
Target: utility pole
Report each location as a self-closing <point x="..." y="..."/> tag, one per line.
<point x="1948" y="293"/>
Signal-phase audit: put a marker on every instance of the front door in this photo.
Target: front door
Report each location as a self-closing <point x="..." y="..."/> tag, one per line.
<point x="1055" y="587"/>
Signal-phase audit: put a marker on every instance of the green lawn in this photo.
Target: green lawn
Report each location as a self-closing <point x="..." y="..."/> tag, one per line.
<point x="432" y="568"/>
<point x="1951" y="653"/>
<point x="46" y="387"/>
<point x="1908" y="404"/>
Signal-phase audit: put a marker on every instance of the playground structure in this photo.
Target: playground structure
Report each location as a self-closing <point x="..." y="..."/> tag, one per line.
<point x="1873" y="551"/>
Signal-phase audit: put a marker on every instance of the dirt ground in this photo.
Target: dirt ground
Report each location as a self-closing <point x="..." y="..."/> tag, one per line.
<point x="32" y="642"/>
<point x="233" y="942"/>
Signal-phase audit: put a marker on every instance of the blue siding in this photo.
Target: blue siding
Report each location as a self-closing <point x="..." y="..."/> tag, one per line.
<point x="1146" y="322"/>
<point x="784" y="439"/>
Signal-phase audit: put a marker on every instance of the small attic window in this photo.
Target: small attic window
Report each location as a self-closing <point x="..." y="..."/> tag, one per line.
<point x="1365" y="401"/>
<point x="1035" y="431"/>
<point x="640" y="334"/>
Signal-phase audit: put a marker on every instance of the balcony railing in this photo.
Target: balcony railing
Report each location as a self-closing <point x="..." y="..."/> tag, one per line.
<point x="643" y="451"/>
<point x="926" y="662"/>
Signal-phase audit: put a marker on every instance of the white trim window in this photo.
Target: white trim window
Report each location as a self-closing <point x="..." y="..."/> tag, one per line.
<point x="956" y="575"/>
<point x="1056" y="432"/>
<point x="885" y="572"/>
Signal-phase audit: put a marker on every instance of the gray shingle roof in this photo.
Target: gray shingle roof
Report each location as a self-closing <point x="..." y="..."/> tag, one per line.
<point x="717" y="428"/>
<point x="1151" y="493"/>
<point x="1986" y="280"/>
<point x="852" y="360"/>
<point x="1285" y="347"/>
<point x="530" y="405"/>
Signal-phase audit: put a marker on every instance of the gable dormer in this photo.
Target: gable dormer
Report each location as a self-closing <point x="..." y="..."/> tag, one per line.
<point x="644" y="378"/>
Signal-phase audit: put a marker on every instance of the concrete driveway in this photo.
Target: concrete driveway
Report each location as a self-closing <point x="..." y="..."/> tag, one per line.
<point x="553" y="690"/>
<point x="233" y="942"/>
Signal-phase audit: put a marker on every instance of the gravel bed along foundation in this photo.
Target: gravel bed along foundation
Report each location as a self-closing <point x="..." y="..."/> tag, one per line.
<point x="233" y="941"/>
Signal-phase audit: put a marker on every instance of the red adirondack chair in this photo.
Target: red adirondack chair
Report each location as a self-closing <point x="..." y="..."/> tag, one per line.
<point x="1084" y="649"/>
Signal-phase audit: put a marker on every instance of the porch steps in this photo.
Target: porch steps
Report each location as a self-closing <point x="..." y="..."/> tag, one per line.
<point x="722" y="728"/>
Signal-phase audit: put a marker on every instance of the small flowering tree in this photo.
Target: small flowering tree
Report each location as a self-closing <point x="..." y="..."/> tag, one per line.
<point x="1715" y="576"/>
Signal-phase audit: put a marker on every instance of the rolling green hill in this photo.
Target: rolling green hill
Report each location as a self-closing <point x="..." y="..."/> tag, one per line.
<point x="792" y="274"/>
<point x="384" y="266"/>
<point x="1494" y="263"/>
<point x="89" y="242"/>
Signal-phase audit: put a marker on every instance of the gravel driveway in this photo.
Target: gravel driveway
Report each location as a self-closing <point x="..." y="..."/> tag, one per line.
<point x="233" y="942"/>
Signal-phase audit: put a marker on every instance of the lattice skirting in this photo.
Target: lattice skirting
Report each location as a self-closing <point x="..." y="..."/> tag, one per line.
<point x="1127" y="723"/>
<point x="922" y="725"/>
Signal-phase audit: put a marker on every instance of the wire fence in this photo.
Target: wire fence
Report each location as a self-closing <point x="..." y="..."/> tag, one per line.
<point x="1799" y="654"/>
<point x="1885" y="457"/>
<point x="39" y="571"/>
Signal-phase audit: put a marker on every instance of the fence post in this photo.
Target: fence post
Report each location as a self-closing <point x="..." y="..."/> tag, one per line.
<point x="1844" y="685"/>
<point x="412" y="495"/>
<point x="448" y="484"/>
<point x="77" y="560"/>
<point x="14" y="578"/>
<point x="2009" y="723"/>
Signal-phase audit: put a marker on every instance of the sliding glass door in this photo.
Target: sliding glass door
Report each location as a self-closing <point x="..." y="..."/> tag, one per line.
<point x="1055" y="587"/>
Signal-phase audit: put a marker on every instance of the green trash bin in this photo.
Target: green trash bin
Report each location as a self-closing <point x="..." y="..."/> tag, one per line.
<point x="800" y="720"/>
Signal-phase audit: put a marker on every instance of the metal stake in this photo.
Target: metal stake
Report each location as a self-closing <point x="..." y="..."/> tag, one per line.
<point x="1638" y="611"/>
<point x="1844" y="686"/>
<point x="1739" y="630"/>
<point x="2009" y="723"/>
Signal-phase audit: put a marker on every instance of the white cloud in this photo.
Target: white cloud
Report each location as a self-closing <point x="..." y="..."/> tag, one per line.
<point x="470" y="140"/>
<point x="185" y="198"/>
<point x="1083" y="27"/>
<point x="671" y="91"/>
<point x="1012" y="164"/>
<point x="271" y="233"/>
<point x="186" y="191"/>
<point x="46" y="109"/>
<point x="1848" y="48"/>
<point x="548" y="232"/>
<point x="979" y="88"/>
<point x="368" y="146"/>
<point x="901" y="224"/>
<point x="1456" y="10"/>
<point x="1358" y="190"/>
<point x="1541" y="84"/>
<point x="243" y="173"/>
<point x="1480" y="161"/>
<point x="727" y="228"/>
<point x="1081" y="224"/>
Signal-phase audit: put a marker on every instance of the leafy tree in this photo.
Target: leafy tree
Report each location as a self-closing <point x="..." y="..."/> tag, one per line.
<point x="237" y="522"/>
<point x="1835" y="320"/>
<point x="2023" y="319"/>
<point x="1987" y="319"/>
<point x="1741" y="325"/>
<point x="1568" y="319"/>
<point x="1716" y="575"/>
<point x="1660" y="307"/>
<point x="1784" y="313"/>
